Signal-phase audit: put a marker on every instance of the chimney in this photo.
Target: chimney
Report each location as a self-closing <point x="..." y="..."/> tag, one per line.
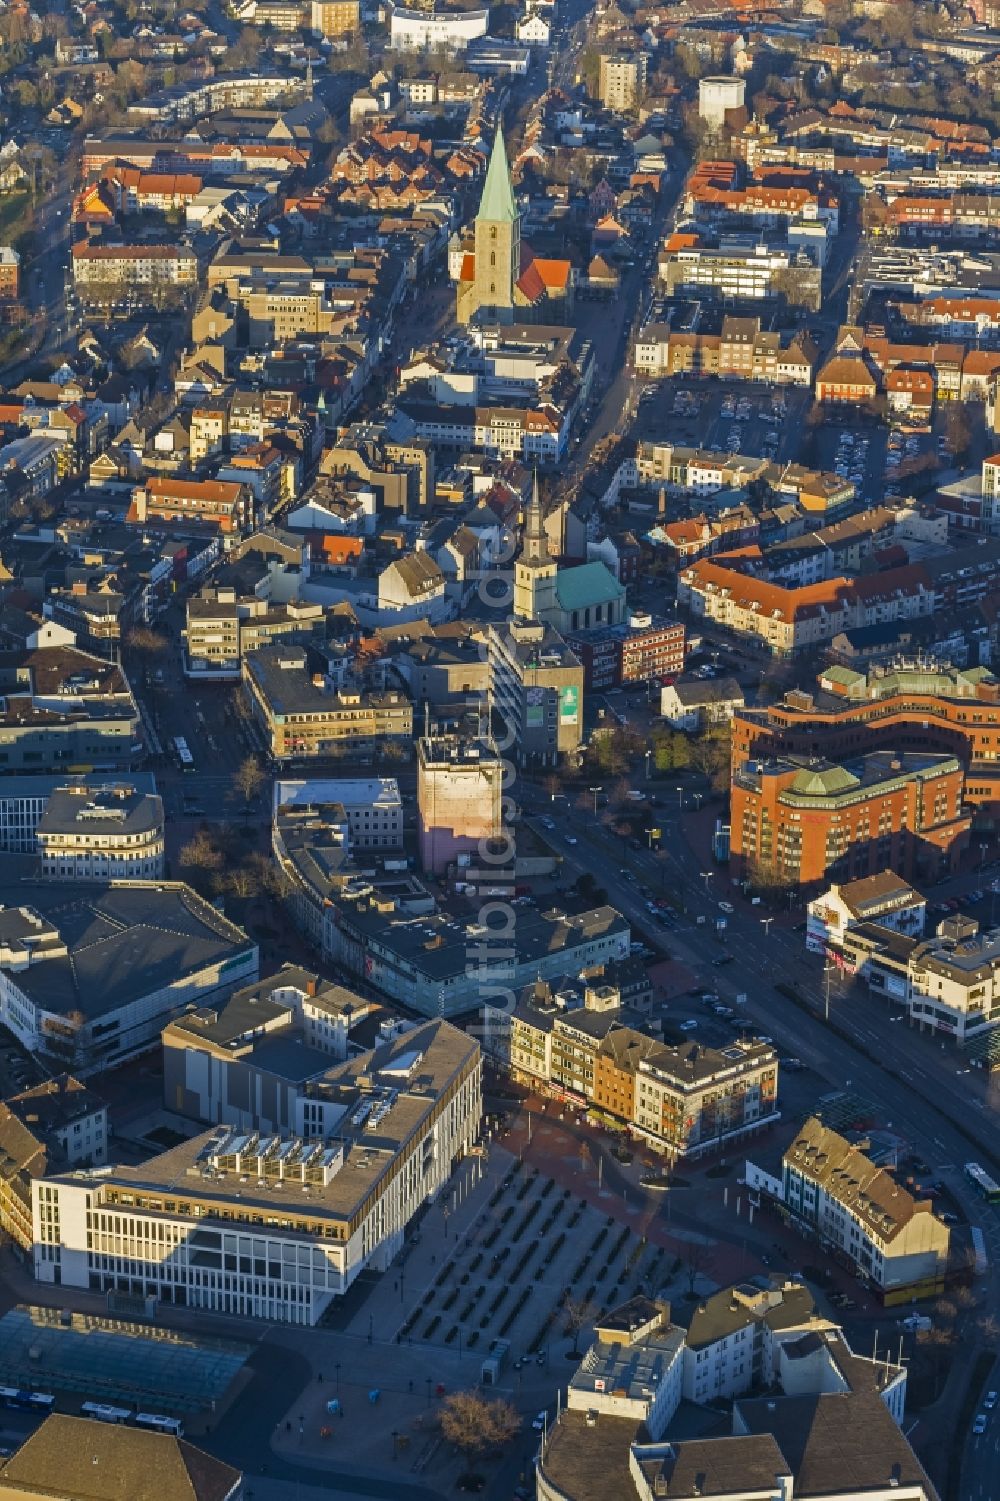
<point x="661" y="504"/>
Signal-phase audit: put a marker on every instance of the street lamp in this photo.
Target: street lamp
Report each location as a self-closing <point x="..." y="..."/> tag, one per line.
<point x="595" y="791"/>
<point x="646" y="758"/>
<point x="706" y="876"/>
<point x="680" y="797"/>
<point x="765" y="923"/>
<point x="828" y="970"/>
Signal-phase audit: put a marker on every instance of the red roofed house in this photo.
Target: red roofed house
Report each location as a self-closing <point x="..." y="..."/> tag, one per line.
<point x="192" y="505"/>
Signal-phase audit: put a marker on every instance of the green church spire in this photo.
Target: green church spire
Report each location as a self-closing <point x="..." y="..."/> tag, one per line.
<point x="498" y="206"/>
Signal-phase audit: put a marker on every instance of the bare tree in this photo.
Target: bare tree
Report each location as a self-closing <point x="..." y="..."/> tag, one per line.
<point x="147" y="642"/>
<point x="244" y="880"/>
<point x="249" y="779"/>
<point x="699" y="1258"/>
<point x="576" y="1314"/>
<point x="477" y="1425"/>
<point x="201" y="860"/>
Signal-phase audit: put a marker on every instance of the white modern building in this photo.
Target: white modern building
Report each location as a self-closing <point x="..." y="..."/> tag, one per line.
<point x="634" y="1367"/>
<point x="24" y="799"/>
<point x="372" y="806"/>
<point x="273" y="1226"/>
<point x="433" y="30"/>
<point x="109" y="833"/>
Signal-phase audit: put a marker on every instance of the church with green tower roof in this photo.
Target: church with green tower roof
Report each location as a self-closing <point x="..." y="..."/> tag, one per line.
<point x="501" y="281"/>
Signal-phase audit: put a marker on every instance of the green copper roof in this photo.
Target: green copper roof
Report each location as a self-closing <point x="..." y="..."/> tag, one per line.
<point x="586" y="584"/>
<point x="825" y="782"/>
<point x="498" y="206"/>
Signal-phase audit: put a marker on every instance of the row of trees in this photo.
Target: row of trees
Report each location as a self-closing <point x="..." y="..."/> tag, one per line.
<point x="616" y="750"/>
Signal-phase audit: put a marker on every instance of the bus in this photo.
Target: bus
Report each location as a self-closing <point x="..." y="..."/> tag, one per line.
<point x="159" y="1423"/>
<point x="981" y="1179"/>
<point x="185" y="760"/>
<point x="24" y="1401"/>
<point x="103" y="1413"/>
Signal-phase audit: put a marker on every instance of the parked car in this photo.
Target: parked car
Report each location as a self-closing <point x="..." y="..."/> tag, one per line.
<point x="979" y="1426"/>
<point x="726" y="907"/>
<point x="539" y="1421"/>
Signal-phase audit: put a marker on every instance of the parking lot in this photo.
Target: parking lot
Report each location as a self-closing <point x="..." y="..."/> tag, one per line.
<point x="729" y="416"/>
<point x="857" y="454"/>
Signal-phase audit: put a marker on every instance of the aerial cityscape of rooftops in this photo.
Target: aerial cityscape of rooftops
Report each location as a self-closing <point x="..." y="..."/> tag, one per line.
<point x="500" y="750"/>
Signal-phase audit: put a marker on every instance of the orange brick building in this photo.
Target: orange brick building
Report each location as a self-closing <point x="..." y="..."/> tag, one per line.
<point x="796" y="822"/>
<point x="905" y="708"/>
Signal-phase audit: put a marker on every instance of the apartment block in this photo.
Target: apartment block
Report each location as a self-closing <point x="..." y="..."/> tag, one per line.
<point x="685" y="1100"/>
<point x="884" y="898"/>
<point x="188" y="502"/>
<point x="948" y="982"/>
<point x="336" y="18"/>
<point x="126" y="268"/>
<point x="893" y="1240"/>
<point x="10" y="274"/>
<point x="622" y="80"/>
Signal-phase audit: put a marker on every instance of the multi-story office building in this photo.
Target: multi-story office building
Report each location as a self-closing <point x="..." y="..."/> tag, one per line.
<point x="303" y="718"/>
<point x="222" y="625"/>
<point x="109" y="833"/>
<point x="741" y="268"/>
<point x="435" y="30"/>
<point x="459" y="801"/>
<point x="797" y="822"/>
<point x="909" y="706"/>
<point x="273" y="1226"/>
<point x="536" y="686"/>
<point x="23" y="800"/>
<point x="89" y="974"/>
<point x="634" y="1367"/>
<point x="894" y="1240"/>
